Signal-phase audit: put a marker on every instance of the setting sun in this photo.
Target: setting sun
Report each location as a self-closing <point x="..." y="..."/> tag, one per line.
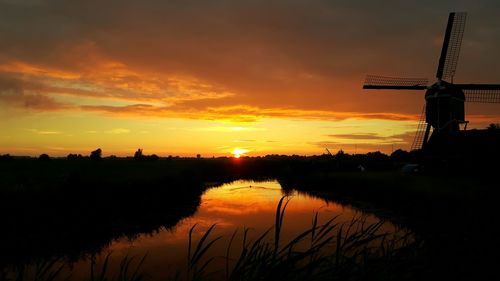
<point x="238" y="152"/>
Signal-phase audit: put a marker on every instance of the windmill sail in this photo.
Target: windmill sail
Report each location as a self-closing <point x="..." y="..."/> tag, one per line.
<point x="394" y="83"/>
<point x="420" y="134"/>
<point x="451" y="46"/>
<point x="481" y="93"/>
<point x="444" y="111"/>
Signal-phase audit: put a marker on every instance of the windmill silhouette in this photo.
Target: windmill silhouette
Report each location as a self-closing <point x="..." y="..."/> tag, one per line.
<point x="444" y="100"/>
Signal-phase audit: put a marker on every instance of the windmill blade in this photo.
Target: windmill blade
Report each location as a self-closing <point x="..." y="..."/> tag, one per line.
<point x="451" y="46"/>
<point x="394" y="83"/>
<point x="422" y="133"/>
<point x="482" y="93"/>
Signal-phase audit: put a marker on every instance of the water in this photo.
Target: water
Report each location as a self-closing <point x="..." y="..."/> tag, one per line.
<point x="231" y="207"/>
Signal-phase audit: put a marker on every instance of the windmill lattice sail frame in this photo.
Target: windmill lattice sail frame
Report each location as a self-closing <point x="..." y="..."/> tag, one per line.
<point x="444" y="99"/>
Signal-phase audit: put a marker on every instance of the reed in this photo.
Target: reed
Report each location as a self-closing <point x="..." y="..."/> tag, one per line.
<point x="57" y="269"/>
<point x="331" y="251"/>
<point x="126" y="271"/>
<point x="45" y="270"/>
<point x="334" y="250"/>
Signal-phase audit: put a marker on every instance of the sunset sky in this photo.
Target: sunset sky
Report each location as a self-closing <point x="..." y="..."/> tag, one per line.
<point x="188" y="77"/>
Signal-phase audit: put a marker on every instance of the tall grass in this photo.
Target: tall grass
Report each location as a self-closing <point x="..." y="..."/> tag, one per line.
<point x="46" y="270"/>
<point x="56" y="269"/>
<point x="331" y="251"/>
<point x="125" y="270"/>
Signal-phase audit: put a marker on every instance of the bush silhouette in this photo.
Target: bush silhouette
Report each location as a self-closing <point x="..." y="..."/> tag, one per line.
<point x="6" y="157"/>
<point x="400" y="155"/>
<point x="74" y="156"/>
<point x="44" y="157"/>
<point x="493" y="126"/>
<point x="138" y="155"/>
<point x="96" y="154"/>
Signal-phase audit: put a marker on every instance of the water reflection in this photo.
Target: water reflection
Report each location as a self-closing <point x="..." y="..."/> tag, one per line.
<point x="160" y="229"/>
<point x="231" y="206"/>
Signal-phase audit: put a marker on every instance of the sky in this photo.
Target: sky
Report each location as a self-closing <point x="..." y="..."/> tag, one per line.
<point x="206" y="77"/>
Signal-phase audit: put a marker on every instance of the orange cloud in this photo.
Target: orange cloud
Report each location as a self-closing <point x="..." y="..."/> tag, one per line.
<point x="240" y="113"/>
<point x="39" y="87"/>
<point x="34" y="70"/>
<point x="237" y="61"/>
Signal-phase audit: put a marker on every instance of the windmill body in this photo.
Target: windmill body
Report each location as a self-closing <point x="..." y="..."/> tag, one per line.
<point x="444" y="109"/>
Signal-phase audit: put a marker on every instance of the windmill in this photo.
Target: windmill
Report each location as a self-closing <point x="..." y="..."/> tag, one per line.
<point x="444" y="100"/>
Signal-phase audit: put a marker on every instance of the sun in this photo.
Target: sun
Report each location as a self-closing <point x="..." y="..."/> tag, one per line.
<point x="238" y="152"/>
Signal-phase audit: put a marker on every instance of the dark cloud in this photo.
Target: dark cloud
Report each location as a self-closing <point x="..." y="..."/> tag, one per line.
<point x="14" y="93"/>
<point x="361" y="143"/>
<point x="373" y="137"/>
<point x="306" y="55"/>
<point x="359" y="136"/>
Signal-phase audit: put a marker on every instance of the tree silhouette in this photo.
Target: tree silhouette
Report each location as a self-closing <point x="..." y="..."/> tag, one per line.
<point x="44" y="157"/>
<point x="138" y="154"/>
<point x="400" y="155"/>
<point x="74" y="156"/>
<point x="6" y="157"/>
<point x="96" y="154"/>
<point x="493" y="126"/>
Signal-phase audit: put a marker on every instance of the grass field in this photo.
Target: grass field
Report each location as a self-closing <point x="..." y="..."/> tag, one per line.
<point x="49" y="207"/>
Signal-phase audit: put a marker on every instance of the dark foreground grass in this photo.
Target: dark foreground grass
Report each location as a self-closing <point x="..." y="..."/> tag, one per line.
<point x="454" y="213"/>
<point x="451" y="205"/>
<point x="54" y="269"/>
<point x="74" y="208"/>
<point x="71" y="208"/>
<point x="331" y="251"/>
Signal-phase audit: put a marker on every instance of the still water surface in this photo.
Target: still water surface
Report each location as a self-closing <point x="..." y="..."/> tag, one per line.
<point x="231" y="206"/>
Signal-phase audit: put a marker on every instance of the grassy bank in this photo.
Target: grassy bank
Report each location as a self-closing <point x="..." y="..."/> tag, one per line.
<point x="452" y="212"/>
<point x="69" y="209"/>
